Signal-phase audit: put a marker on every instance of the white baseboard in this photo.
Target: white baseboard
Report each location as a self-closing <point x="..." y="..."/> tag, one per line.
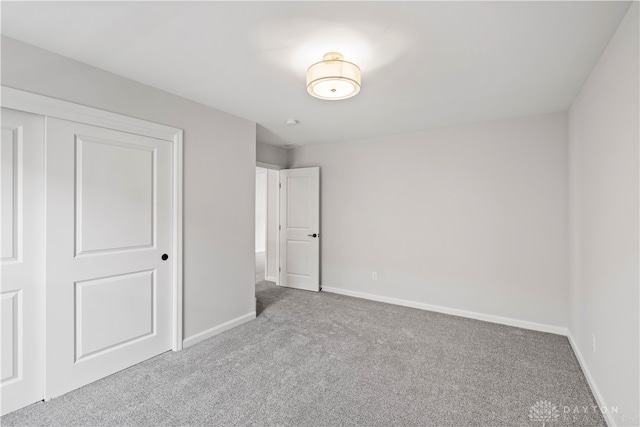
<point x="194" y="339"/>
<point x="592" y="383"/>
<point x="453" y="311"/>
<point x="271" y="278"/>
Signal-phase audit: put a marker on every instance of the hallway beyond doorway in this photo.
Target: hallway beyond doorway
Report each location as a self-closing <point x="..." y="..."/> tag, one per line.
<point x="260" y="266"/>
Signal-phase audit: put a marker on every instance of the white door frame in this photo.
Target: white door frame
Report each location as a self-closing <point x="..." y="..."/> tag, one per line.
<point x="277" y="214"/>
<point x="268" y="166"/>
<point x="266" y="212"/>
<point x="52" y="107"/>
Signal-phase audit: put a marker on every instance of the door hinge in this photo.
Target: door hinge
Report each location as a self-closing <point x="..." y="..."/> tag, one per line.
<point x="279" y="227"/>
<point x="279" y="270"/>
<point x="280" y="185"/>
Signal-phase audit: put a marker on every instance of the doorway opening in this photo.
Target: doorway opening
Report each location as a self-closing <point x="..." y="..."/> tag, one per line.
<point x="287" y="229"/>
<point x="266" y="240"/>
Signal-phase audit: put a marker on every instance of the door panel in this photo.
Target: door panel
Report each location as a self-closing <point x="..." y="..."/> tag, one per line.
<point x="10" y="310"/>
<point x="298" y="214"/>
<point x="121" y="171"/>
<point x="98" y="329"/>
<point x="11" y="144"/>
<point x="300" y="220"/>
<point x="22" y="259"/>
<point x="108" y="224"/>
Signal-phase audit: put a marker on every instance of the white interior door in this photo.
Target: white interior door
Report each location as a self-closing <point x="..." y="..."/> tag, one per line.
<point x="300" y="228"/>
<point x="22" y="259"/>
<point x="108" y="224"/>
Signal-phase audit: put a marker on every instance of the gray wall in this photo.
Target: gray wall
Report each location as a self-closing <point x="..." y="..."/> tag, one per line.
<point x="604" y="173"/>
<point x="219" y="174"/>
<point x="472" y="217"/>
<point x="271" y="154"/>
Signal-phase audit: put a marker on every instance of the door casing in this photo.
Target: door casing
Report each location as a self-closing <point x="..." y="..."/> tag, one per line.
<point x="276" y="196"/>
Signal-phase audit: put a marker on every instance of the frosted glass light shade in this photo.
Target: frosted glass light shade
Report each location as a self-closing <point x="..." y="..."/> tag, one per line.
<point x="333" y="78"/>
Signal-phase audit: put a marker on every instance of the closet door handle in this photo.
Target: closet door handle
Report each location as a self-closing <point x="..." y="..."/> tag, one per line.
<point x="313" y="235"/>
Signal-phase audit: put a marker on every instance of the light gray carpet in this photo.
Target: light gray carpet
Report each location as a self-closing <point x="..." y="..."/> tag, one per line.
<point x="319" y="359"/>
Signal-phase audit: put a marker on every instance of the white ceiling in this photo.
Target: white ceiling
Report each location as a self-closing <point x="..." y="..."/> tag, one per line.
<point x="424" y="64"/>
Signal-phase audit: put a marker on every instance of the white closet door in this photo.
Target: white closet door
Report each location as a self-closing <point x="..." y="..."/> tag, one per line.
<point x="300" y="228"/>
<point x="22" y="259"/>
<point x="109" y="289"/>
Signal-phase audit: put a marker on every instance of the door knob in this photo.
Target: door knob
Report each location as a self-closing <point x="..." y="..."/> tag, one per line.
<point x="312" y="235"/>
<point x="165" y="257"/>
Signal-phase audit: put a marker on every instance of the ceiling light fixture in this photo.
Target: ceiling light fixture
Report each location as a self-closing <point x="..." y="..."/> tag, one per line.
<point x="333" y="78"/>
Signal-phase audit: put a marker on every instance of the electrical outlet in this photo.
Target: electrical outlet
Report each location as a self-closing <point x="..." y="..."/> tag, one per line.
<point x="374" y="276"/>
<point x="593" y="343"/>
